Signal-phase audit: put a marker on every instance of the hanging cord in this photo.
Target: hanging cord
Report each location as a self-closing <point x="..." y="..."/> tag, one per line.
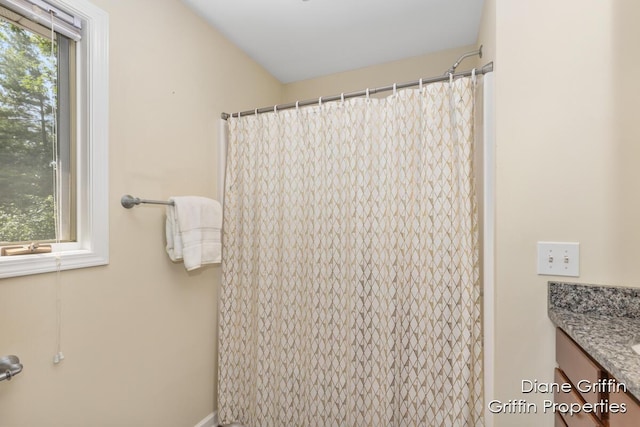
<point x="58" y="357"/>
<point x="57" y="191"/>
<point x="55" y="162"/>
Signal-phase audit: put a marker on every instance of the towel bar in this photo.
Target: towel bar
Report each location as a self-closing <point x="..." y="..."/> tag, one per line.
<point x="10" y="366"/>
<point x="128" y="201"/>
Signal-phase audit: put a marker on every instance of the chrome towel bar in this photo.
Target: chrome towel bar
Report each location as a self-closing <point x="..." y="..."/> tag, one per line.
<point x="10" y="366"/>
<point x="128" y="201"/>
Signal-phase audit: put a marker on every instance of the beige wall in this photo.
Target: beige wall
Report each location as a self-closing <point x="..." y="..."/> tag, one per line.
<point x="487" y="33"/>
<point x="567" y="153"/>
<point x="379" y="75"/>
<point x="140" y="334"/>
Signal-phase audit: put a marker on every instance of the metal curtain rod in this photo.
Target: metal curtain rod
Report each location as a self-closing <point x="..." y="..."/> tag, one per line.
<point x="485" y="69"/>
<point x="129" y="201"/>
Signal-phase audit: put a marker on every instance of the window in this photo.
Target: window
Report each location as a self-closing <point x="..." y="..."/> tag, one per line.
<point x="36" y="149"/>
<point x="53" y="134"/>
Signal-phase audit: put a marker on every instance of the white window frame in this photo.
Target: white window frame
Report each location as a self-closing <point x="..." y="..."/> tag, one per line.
<point x="92" y="169"/>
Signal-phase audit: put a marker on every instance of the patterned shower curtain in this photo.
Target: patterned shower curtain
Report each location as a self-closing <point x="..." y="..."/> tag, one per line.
<point x="350" y="291"/>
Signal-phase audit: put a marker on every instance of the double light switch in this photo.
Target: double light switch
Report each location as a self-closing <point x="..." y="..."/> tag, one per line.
<point x="559" y="259"/>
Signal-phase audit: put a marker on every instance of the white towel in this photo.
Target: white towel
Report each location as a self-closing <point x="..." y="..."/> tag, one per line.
<point x="193" y="229"/>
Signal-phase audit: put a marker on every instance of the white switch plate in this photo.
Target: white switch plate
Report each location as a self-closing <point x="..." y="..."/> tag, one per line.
<point x="559" y="259"/>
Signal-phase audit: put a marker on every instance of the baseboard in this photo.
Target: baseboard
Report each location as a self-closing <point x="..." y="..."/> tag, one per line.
<point x="210" y="420"/>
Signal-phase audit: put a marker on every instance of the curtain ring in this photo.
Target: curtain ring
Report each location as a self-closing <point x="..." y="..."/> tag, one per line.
<point x="367" y="94"/>
<point x="450" y="78"/>
<point x="256" y="112"/>
<point x="297" y="105"/>
<point x="342" y="97"/>
<point x="320" y="102"/>
<point x="473" y="76"/>
<point x="275" y="109"/>
<point x="421" y="85"/>
<point x="395" y="90"/>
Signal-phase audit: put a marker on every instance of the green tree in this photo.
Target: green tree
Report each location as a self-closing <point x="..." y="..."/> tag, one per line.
<point x="27" y="78"/>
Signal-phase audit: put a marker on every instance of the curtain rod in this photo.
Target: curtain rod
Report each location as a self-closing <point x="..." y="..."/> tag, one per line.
<point x="487" y="68"/>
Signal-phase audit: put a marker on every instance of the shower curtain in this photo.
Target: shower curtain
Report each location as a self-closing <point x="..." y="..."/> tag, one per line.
<point x="350" y="291"/>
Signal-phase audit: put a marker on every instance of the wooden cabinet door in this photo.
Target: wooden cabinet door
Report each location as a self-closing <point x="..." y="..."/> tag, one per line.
<point x="630" y="418"/>
<point x="578" y="366"/>
<point x="559" y="421"/>
<point x="579" y="419"/>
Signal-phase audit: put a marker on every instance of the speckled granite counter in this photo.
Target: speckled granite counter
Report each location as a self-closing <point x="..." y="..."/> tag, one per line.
<point x="605" y="321"/>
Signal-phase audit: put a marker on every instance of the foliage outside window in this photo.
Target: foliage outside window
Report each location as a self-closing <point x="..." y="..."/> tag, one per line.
<point x="34" y="160"/>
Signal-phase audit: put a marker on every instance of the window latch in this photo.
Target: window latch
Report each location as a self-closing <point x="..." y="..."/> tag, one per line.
<point x="30" y="249"/>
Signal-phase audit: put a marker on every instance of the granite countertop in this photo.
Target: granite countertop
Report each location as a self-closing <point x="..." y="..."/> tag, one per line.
<point x="605" y="322"/>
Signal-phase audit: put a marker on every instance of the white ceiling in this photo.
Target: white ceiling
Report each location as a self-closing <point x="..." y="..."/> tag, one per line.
<point x="297" y="39"/>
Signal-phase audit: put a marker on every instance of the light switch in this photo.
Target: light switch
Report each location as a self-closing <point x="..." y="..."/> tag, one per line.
<point x="559" y="259"/>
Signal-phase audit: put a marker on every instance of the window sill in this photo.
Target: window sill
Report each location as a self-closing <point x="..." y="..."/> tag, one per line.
<point x="22" y="265"/>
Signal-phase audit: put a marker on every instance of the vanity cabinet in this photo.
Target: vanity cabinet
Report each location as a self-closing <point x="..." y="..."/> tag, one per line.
<point x="591" y="387"/>
<point x="579" y="419"/>
<point x="629" y="419"/>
